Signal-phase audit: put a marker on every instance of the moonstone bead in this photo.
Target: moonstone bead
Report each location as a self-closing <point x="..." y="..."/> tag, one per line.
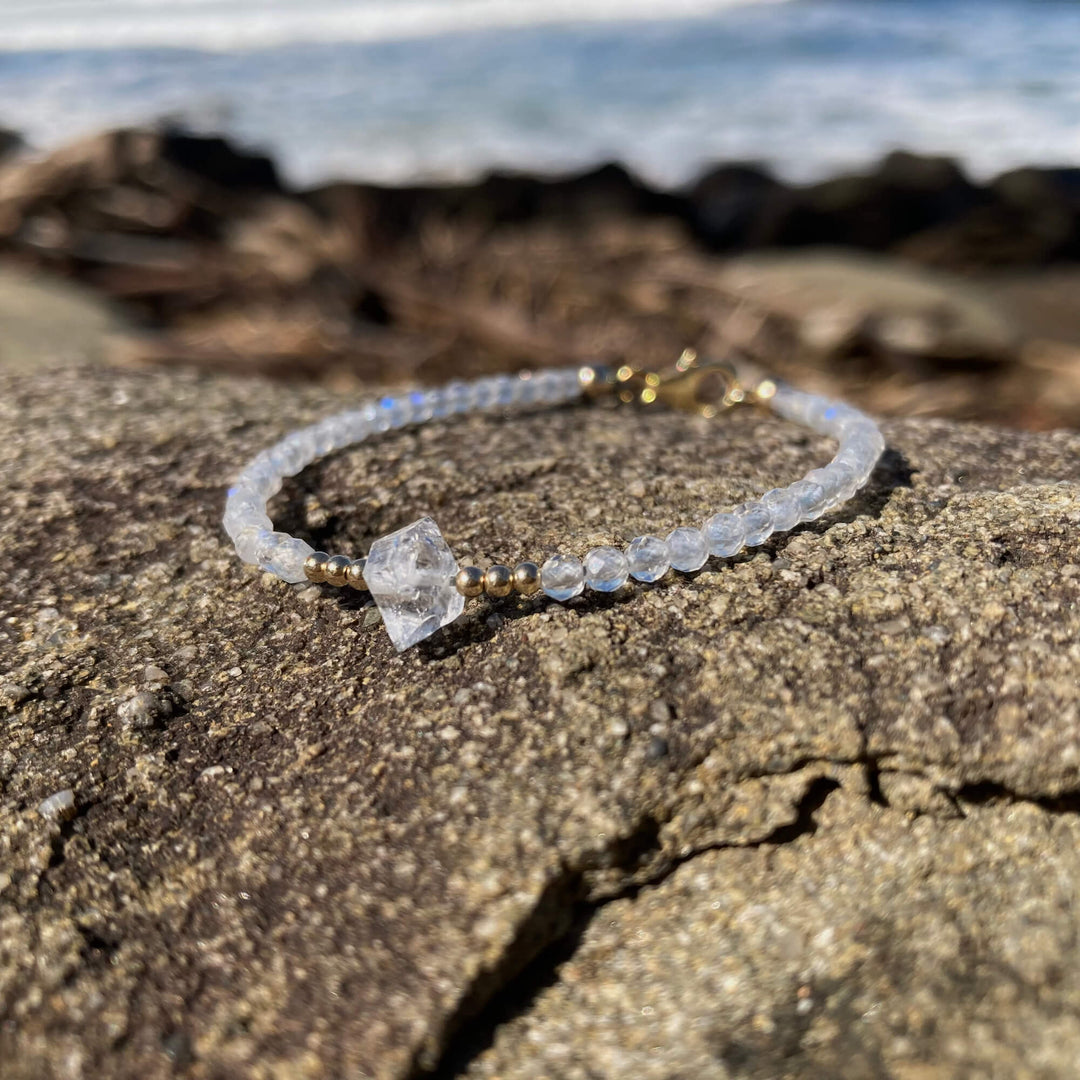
<point x="725" y="534"/>
<point x="838" y="480"/>
<point x="266" y="549"/>
<point x="783" y="508"/>
<point x="398" y="410"/>
<point x="437" y="403"/>
<point x="507" y="389"/>
<point x="381" y="420"/>
<point x="841" y="416"/>
<point x="848" y="480"/>
<point x="235" y="525"/>
<point x="606" y="569"/>
<point x="648" y="558"/>
<point x="328" y="435"/>
<point x="810" y="498"/>
<point x="816" y="413"/>
<point x="457" y="397"/>
<point x="419" y="407"/>
<point x="289" y="558"/>
<point x="248" y="541"/>
<point x="757" y="521"/>
<point x="242" y="510"/>
<point x="562" y="577"/>
<point x="860" y="456"/>
<point x="688" y="549"/>
<point x="485" y="393"/>
<point x="295" y="453"/>
<point x="261" y="478"/>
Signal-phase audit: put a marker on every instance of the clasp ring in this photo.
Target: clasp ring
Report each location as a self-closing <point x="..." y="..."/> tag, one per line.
<point x="692" y="384"/>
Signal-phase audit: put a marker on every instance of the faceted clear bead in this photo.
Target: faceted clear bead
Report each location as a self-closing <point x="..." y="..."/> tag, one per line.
<point x="838" y="480"/>
<point x="507" y="389"/>
<point x="606" y="569"/>
<point x="410" y="575"/>
<point x="381" y="419"/>
<point x="242" y="510"/>
<point x="815" y="413"/>
<point x="546" y="386"/>
<point x="757" y="521"/>
<point x="783" y="508"/>
<point x="295" y="453"/>
<point x="266" y="549"/>
<point x="397" y="411"/>
<point x="648" y="558"/>
<point x="688" y="549"/>
<point x="850" y="480"/>
<point x="725" y="534"/>
<point x="289" y="558"/>
<point x="248" y="541"/>
<point x="841" y="416"/>
<point x="438" y="403"/>
<point x="531" y="388"/>
<point x="485" y="392"/>
<point x="338" y="431"/>
<point x="420" y="409"/>
<point x="792" y="404"/>
<point x="562" y="577"/>
<point x="860" y="459"/>
<point x="458" y="397"/>
<point x="261" y="478"/>
<point x="810" y="498"/>
<point x="326" y="436"/>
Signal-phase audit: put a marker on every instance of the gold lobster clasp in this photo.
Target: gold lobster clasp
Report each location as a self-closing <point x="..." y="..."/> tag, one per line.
<point x="691" y="384"/>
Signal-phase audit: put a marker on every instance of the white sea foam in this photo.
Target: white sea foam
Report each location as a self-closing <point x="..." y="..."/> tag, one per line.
<point x="810" y="87"/>
<point x="244" y="24"/>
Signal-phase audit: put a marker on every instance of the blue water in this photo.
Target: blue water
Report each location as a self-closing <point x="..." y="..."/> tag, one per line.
<point x="442" y="90"/>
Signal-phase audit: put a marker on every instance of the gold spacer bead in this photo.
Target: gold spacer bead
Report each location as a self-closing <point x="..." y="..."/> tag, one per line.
<point x="526" y="578"/>
<point x="354" y="576"/>
<point x="497" y="581"/>
<point x="469" y="581"/>
<point x="337" y="569"/>
<point x="315" y="566"/>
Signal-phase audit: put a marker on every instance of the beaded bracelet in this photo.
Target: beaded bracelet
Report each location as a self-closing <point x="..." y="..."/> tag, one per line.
<point x="413" y="576"/>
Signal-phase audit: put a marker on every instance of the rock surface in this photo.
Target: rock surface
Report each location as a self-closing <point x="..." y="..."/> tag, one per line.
<point x="50" y="323"/>
<point x="293" y="853"/>
<point x="875" y="944"/>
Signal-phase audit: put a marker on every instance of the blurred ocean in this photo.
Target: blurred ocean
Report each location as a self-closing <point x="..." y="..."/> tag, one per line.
<point x="396" y="90"/>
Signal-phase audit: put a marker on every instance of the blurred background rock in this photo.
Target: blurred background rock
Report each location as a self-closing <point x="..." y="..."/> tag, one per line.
<point x="940" y="279"/>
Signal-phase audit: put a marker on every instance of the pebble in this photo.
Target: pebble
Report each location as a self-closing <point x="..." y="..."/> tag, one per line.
<point x="143" y="710"/>
<point x="60" y="806"/>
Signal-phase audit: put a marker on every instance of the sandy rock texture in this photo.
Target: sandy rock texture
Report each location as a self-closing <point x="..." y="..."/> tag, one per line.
<point x="50" y="324"/>
<point x="839" y="775"/>
<point x="874" y="944"/>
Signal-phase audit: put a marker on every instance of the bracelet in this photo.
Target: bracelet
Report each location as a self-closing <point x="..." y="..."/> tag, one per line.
<point x="412" y="574"/>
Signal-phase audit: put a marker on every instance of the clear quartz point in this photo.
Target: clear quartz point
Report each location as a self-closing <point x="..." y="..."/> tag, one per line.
<point x="410" y="575"/>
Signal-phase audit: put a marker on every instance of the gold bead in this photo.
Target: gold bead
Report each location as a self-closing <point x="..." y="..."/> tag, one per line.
<point x="337" y="569"/>
<point x="497" y="581"/>
<point x="526" y="578"/>
<point x="315" y="566"/>
<point x="469" y="581"/>
<point x="354" y="576"/>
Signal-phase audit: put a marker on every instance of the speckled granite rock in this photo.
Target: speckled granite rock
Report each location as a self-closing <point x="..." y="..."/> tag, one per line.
<point x="294" y="853"/>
